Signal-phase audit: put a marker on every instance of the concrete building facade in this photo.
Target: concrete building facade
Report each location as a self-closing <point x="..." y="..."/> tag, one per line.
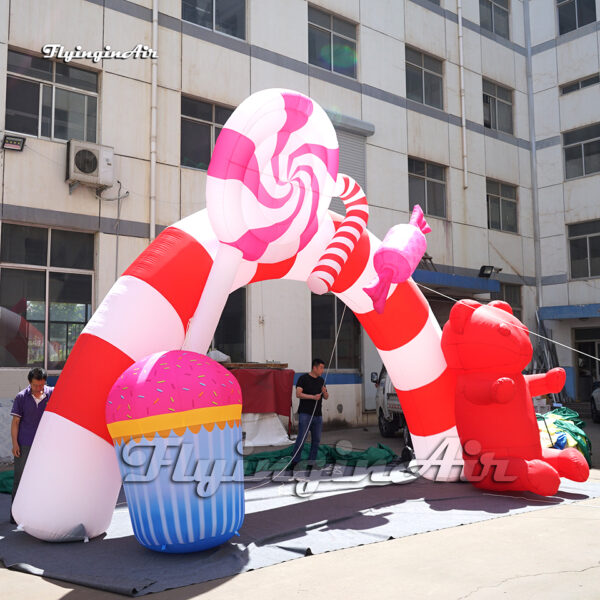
<point x="485" y="112"/>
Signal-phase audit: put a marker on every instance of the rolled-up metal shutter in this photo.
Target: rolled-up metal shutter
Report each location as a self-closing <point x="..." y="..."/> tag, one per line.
<point x="352" y="162"/>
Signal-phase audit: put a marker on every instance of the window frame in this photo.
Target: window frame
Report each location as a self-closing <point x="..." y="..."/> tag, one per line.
<point x="582" y="144"/>
<point x="587" y="237"/>
<point x="47" y="269"/>
<point x="501" y="295"/>
<point x="560" y="3"/>
<point x="214" y="18"/>
<point x="493" y="4"/>
<point x="331" y="33"/>
<point x="501" y="199"/>
<point x="579" y="83"/>
<point x="213" y="127"/>
<point x="423" y="70"/>
<point x="497" y="99"/>
<point x="427" y="178"/>
<point x="54" y="86"/>
<point x="336" y="315"/>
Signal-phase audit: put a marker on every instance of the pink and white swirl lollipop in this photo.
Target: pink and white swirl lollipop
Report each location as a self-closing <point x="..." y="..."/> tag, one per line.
<point x="272" y="175"/>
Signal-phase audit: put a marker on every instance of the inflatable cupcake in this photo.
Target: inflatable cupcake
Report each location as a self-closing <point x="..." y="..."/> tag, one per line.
<point x="175" y="420"/>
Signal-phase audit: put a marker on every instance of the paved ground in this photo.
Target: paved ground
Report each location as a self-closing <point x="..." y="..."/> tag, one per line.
<point x="546" y="554"/>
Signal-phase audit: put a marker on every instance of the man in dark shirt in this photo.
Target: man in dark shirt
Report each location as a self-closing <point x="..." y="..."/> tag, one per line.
<point x="311" y="390"/>
<point x="27" y="410"/>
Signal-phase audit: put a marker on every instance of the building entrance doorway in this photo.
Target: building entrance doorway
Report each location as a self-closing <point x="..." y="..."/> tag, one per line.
<point x="588" y="371"/>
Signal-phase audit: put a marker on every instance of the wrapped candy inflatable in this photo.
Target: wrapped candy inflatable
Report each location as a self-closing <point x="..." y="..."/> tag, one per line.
<point x="487" y="348"/>
<point x="270" y="181"/>
<point x="175" y="420"/>
<point x="398" y="256"/>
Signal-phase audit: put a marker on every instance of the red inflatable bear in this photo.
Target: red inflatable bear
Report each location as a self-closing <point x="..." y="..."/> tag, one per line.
<point x="487" y="348"/>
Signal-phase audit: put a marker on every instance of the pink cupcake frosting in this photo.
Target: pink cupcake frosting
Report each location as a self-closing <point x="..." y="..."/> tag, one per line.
<point x="168" y="382"/>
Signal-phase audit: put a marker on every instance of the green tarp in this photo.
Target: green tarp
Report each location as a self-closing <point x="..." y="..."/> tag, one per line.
<point x="279" y="459"/>
<point x="6" y="482"/>
<point x="569" y="421"/>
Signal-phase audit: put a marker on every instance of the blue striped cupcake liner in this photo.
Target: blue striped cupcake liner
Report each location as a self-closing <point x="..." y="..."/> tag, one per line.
<point x="184" y="493"/>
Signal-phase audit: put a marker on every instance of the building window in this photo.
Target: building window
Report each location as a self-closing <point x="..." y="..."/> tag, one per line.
<point x="567" y="88"/>
<point x="512" y="294"/>
<point x="46" y="290"/>
<point x="224" y="16"/>
<point x="230" y="335"/>
<point x="50" y="99"/>
<point x="331" y="42"/>
<point x="584" y="249"/>
<point x="427" y="187"/>
<point x="573" y="14"/>
<point x="501" y="206"/>
<point x="326" y="313"/>
<point x="493" y="16"/>
<point x="424" y="81"/>
<point x="201" y="123"/>
<point x="582" y="151"/>
<point x="497" y="107"/>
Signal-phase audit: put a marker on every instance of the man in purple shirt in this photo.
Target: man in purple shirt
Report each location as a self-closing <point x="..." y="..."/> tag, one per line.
<point x="27" y="410"/>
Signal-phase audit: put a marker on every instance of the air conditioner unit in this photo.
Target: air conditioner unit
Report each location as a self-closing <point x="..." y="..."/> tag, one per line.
<point x="89" y="164"/>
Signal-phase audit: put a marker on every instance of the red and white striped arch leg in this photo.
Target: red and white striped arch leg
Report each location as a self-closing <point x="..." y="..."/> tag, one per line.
<point x="72" y="465"/>
<point x="407" y="337"/>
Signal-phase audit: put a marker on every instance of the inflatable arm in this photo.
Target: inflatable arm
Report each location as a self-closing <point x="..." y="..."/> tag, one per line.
<point x="546" y="383"/>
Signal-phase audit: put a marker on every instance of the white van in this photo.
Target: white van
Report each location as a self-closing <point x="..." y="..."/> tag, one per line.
<point x="595" y="402"/>
<point x="389" y="411"/>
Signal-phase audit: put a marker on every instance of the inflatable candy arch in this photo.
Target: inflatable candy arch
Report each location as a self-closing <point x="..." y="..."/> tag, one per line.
<point x="270" y="181"/>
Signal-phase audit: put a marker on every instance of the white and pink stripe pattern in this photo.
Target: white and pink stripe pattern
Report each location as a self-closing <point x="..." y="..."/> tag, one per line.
<point x="323" y="276"/>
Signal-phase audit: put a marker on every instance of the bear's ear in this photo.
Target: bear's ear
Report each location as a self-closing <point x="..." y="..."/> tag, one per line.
<point x="501" y="305"/>
<point x="461" y="312"/>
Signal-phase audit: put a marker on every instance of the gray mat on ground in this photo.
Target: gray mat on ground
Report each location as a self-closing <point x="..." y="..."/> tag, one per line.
<point x="284" y="520"/>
